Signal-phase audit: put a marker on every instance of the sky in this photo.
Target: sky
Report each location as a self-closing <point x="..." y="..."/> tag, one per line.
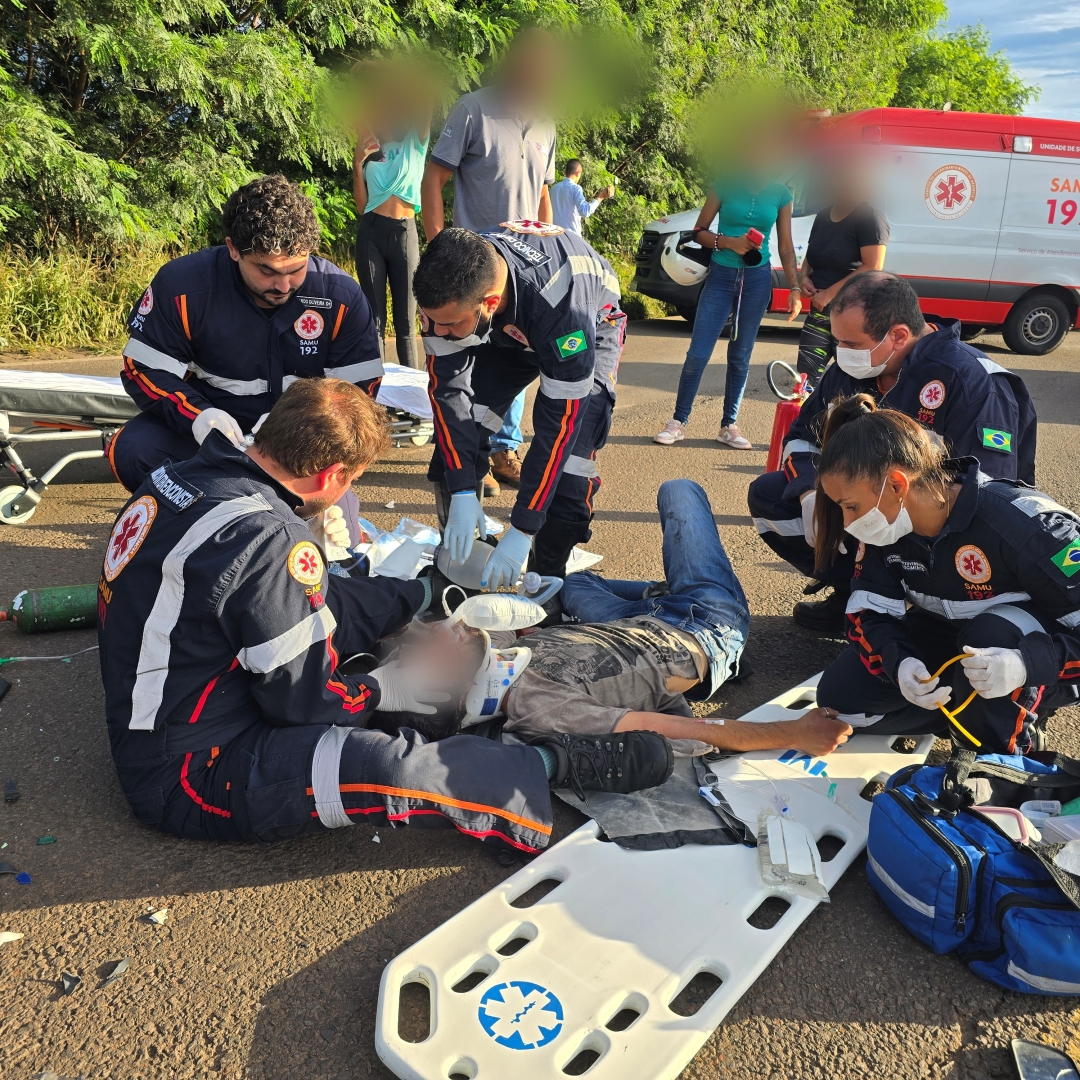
<point x="1041" y="38"/>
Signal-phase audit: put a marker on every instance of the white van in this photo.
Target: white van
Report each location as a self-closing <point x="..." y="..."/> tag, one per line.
<point x="984" y="214"/>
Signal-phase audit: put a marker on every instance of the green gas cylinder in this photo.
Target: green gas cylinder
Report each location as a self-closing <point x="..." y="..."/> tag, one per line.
<point x="69" y="607"/>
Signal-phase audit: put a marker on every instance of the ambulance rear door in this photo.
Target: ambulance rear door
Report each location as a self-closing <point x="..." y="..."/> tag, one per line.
<point x="945" y="205"/>
<point x="1040" y="230"/>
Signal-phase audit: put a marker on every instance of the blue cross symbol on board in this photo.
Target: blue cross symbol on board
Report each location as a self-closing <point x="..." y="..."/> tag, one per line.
<point x="811" y="766"/>
<point x="521" y="1015"/>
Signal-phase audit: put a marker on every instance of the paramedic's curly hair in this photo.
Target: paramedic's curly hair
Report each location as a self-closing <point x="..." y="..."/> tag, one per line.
<point x="318" y="422"/>
<point x="272" y="217"/>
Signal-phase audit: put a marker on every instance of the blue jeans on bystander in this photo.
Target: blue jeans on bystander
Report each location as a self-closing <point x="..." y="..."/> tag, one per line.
<point x="745" y="291"/>
<point x="704" y="598"/>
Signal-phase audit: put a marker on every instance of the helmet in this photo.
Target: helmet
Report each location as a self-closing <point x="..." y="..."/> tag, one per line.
<point x="499" y="671"/>
<point x="683" y="260"/>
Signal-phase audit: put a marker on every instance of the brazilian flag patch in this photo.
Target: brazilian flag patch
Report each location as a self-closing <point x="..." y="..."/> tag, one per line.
<point x="997" y="440"/>
<point x="571" y="343"/>
<point x="1067" y="560"/>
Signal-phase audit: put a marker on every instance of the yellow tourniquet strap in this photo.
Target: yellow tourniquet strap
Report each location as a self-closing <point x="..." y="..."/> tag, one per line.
<point x="952" y="715"/>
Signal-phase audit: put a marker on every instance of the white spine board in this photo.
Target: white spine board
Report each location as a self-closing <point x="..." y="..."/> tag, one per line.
<point x="624" y="931"/>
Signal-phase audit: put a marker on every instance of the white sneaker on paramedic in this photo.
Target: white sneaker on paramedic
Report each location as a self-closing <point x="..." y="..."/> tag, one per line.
<point x="673" y="432"/>
<point x="733" y="437"/>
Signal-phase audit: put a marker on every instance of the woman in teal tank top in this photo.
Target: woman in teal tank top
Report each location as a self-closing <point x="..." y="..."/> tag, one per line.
<point x="739" y="281"/>
<point x="388" y="165"/>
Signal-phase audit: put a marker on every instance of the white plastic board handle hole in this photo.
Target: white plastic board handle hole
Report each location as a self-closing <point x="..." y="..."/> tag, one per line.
<point x="517" y="940"/>
<point x="476" y="973"/>
<point x="693" y="997"/>
<point x="768" y="913"/>
<point x="829" y="846"/>
<point x="591" y="1050"/>
<point x="465" y="1069"/>
<point x="414" y="1011"/>
<point x="536" y="892"/>
<point x="628" y="1013"/>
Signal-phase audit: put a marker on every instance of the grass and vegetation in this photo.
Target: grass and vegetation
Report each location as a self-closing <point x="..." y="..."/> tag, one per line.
<point x="124" y="124"/>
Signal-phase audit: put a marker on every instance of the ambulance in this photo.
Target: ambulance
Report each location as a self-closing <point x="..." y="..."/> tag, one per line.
<point x="984" y="214"/>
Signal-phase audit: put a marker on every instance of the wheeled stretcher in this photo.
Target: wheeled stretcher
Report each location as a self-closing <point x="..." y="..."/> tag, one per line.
<point x="59" y="407"/>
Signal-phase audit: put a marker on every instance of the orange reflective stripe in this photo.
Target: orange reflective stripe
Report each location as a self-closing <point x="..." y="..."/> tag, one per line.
<point x="554" y="457"/>
<point x="445" y="800"/>
<point x="183" y="315"/>
<point x="337" y="322"/>
<point x="183" y="405"/>
<point x="442" y="429"/>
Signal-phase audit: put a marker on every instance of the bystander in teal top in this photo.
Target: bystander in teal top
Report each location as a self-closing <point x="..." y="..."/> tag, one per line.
<point x="741" y="208"/>
<point x="399" y="172"/>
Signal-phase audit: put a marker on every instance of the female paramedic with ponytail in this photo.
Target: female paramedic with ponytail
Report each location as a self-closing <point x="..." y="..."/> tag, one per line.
<point x="965" y="604"/>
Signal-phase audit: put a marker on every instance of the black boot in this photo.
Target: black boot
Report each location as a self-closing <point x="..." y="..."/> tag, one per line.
<point x="553" y="544"/>
<point x="826" y="616"/>
<point x="622" y="762"/>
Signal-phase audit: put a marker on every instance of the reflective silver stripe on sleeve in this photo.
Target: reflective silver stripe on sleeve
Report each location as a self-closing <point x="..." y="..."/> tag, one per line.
<point x="899" y="892"/>
<point x="155" y="650"/>
<point x="151" y="358"/>
<point x="439" y="346"/>
<point x="962" y="609"/>
<point x="580" y="466"/>
<point x="1023" y="620"/>
<point x="991" y="368"/>
<point x="1041" y="982"/>
<point x="239" y="387"/>
<point x="862" y="600"/>
<point x="554" y="292"/>
<point x="354" y="373"/>
<point x="785" y="527"/>
<point x="288" y="380"/>
<point x="1037" y="503"/>
<point x="277" y="652"/>
<point x="487" y="418"/>
<point x="326" y="777"/>
<point x="1070" y="621"/>
<point x="566" y="391"/>
<point x="799" y="446"/>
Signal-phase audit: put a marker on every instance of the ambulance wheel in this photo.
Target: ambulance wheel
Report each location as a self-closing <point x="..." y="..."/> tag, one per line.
<point x="1036" y="325"/>
<point x="14" y="509"/>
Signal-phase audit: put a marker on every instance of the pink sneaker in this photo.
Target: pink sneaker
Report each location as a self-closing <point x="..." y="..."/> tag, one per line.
<point x="733" y="437"/>
<point x="673" y="432"/>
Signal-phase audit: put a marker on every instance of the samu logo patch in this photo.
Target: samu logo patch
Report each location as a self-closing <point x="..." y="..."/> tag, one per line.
<point x="571" y="343"/>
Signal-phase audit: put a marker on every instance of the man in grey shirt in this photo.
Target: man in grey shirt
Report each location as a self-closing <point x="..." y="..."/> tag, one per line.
<point x="501" y="155"/>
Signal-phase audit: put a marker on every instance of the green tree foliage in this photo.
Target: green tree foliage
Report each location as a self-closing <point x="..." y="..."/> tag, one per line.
<point x="960" y="68"/>
<point x="131" y="120"/>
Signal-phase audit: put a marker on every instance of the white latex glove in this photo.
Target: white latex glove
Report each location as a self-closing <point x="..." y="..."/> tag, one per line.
<point x="507" y="560"/>
<point x="401" y="691"/>
<point x="918" y="687"/>
<point x="221" y="421"/>
<point x="994" y="672"/>
<point x="808" y="500"/>
<point x="330" y="529"/>
<point x="465" y="519"/>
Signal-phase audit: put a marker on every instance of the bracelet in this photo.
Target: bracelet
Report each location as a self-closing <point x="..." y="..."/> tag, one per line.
<point x="795" y="288"/>
<point x="716" y="242"/>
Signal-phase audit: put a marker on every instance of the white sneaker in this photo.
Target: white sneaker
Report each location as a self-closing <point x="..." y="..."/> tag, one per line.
<point x="673" y="432"/>
<point x="733" y="437"/>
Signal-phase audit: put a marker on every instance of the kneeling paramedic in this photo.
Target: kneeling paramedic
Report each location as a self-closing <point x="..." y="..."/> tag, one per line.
<point x="887" y="350"/>
<point x="221" y="333"/>
<point x="498" y="309"/>
<point x="222" y="635"/>
<point x="964" y="614"/>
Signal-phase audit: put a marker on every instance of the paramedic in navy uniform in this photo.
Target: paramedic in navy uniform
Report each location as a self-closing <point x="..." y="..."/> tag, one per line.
<point x="964" y="614"/>
<point x="887" y="350"/>
<point x="221" y="333"/>
<point x="532" y="291"/>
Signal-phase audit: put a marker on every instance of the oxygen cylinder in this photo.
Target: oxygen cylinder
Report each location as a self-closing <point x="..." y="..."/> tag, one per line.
<point x="69" y="607"/>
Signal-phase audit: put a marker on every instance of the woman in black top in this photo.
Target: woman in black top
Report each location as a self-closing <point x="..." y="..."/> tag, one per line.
<point x="847" y="238"/>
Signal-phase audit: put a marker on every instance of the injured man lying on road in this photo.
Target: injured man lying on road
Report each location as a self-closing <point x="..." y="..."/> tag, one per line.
<point x="636" y="653"/>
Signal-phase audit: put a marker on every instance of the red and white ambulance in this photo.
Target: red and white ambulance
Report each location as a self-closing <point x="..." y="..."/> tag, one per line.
<point x="984" y="214"/>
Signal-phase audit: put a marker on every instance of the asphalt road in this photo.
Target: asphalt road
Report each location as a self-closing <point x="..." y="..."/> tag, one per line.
<point x="268" y="965"/>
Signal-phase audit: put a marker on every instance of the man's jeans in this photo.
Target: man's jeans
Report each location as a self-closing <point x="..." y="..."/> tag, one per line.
<point x="509" y="435"/>
<point x="746" y="292"/>
<point x="705" y="597"/>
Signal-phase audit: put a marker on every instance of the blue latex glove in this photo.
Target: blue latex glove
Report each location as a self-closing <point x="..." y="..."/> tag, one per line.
<point x="465" y="518"/>
<point x="507" y="560"/>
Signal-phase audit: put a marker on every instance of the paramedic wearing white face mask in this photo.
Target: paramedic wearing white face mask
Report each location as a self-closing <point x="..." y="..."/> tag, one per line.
<point x="963" y="611"/>
<point x="886" y="349"/>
